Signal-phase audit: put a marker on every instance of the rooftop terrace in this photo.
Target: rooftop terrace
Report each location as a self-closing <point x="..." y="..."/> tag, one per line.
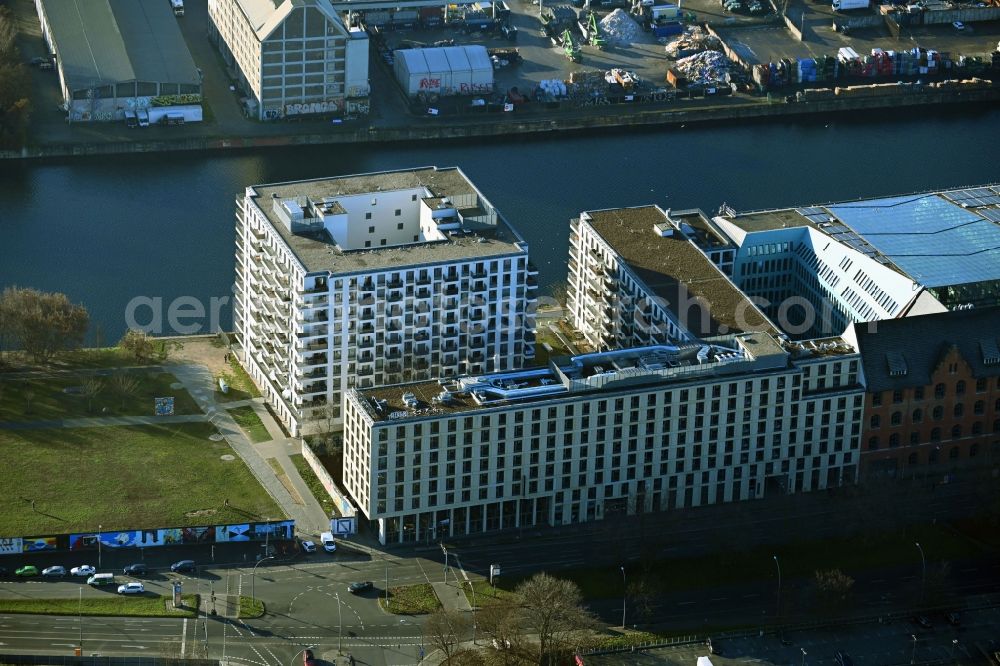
<point x="482" y="233"/>
<point x="674" y="269"/>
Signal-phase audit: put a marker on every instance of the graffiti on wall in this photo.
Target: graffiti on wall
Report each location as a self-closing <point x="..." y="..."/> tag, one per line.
<point x="329" y="106"/>
<point x="34" y="544"/>
<point x="11" y="546"/>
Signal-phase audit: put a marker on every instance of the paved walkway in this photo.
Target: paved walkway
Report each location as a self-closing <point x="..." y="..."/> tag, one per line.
<point x="310" y="518"/>
<point x="451" y="596"/>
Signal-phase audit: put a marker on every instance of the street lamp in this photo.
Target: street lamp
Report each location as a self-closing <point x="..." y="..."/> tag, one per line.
<point x="340" y="621"/>
<point x="624" y="595"/>
<point x="472" y="587"/>
<point x="778" y="611"/>
<point x="99" y="528"/>
<point x="292" y="662"/>
<point x="923" y="570"/>
<point x="253" y="576"/>
<point x="79" y="619"/>
<point x="913" y="653"/>
<point x="803" y="656"/>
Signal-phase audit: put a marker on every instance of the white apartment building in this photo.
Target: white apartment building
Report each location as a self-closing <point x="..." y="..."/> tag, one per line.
<point x="294" y="57"/>
<point x="641" y="276"/>
<point x="869" y="260"/>
<point x="604" y="434"/>
<point x="375" y="279"/>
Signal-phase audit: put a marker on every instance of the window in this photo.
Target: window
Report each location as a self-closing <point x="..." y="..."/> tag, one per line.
<point x="368" y="216"/>
<point x="873" y="443"/>
<point x="960" y="387"/>
<point x="977" y="428"/>
<point x="893" y="440"/>
<point x="368" y="243"/>
<point x="939" y="391"/>
<point x="896" y="419"/>
<point x="918" y="415"/>
<point x="876" y="421"/>
<point x="959" y="409"/>
<point x="897" y="397"/>
<point x="956" y="431"/>
<point x="980" y="385"/>
<point x="876" y="400"/>
<point x="953" y="453"/>
<point x="936" y="435"/>
<point x="938" y="413"/>
<point x="399" y="226"/>
<point x="912" y="460"/>
<point x="918" y="393"/>
<point x="979" y="407"/>
<point x="398" y="212"/>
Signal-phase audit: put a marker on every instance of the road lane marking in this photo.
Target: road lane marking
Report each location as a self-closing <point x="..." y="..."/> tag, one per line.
<point x="137" y="647"/>
<point x="184" y="635"/>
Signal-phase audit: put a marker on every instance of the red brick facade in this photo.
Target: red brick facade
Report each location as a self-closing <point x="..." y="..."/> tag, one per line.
<point x="952" y="422"/>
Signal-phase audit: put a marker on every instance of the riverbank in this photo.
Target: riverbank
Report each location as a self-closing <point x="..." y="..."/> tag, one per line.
<point x="436" y="129"/>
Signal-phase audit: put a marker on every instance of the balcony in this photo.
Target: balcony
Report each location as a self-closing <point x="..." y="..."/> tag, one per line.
<point x="366" y="327"/>
<point x="394" y="339"/>
<point x="366" y="357"/>
<point x="451" y="291"/>
<point x="422" y="350"/>
<point x="421" y="336"/>
<point x="319" y="288"/>
<point x="532" y="269"/>
<point x="394" y="284"/>
<point x="423" y="293"/>
<point x="423" y="280"/>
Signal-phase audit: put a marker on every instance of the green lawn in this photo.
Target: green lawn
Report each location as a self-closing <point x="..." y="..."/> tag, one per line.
<point x="309" y="476"/>
<point x="411" y="600"/>
<point x="545" y="336"/>
<point x="46" y="398"/>
<point x="486" y="593"/>
<point x="144" y="605"/>
<point x="124" y="477"/>
<point x="250" y="423"/>
<point x="250" y="608"/>
<point x="241" y="387"/>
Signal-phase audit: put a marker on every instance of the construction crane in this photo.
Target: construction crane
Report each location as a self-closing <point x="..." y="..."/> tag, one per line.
<point x="570" y="47"/>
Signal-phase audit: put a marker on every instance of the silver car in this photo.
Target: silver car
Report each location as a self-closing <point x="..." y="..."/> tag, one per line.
<point x="54" y="572"/>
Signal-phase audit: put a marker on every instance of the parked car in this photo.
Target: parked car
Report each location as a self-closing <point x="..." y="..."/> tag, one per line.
<point x="131" y="588"/>
<point x="83" y="570"/>
<point x="136" y="570"/>
<point x="358" y="588"/>
<point x="958" y="25"/>
<point x="183" y="566"/>
<point x="308" y="546"/>
<point x="38" y="60"/>
<point x="953" y="619"/>
<point x="29" y="570"/>
<point x="3" y="572"/>
<point x="922" y="621"/>
<point x="54" y="572"/>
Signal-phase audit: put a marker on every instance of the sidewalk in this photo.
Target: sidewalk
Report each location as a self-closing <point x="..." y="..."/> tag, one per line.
<point x="451" y="596"/>
<point x="104" y="421"/>
<point x="310" y="518"/>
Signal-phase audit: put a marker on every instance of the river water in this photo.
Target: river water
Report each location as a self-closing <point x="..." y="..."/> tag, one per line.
<point x="106" y="230"/>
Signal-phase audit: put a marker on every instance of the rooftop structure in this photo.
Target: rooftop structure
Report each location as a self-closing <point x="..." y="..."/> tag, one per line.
<point x="440" y="217"/>
<point x="112" y="54"/>
<point x="643" y="275"/>
<point x="873" y="259"/>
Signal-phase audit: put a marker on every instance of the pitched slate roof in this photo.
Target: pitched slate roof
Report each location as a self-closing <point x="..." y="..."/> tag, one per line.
<point x="900" y="353"/>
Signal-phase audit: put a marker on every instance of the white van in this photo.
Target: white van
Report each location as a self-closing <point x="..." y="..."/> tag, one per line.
<point x="329" y="545"/>
<point x="98" y="580"/>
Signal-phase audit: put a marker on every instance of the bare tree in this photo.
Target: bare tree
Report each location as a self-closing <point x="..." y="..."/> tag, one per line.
<point x="92" y="387"/>
<point x="29" y="398"/>
<point x="41" y="323"/>
<point x="832" y="587"/>
<point x="125" y="386"/>
<point x="445" y="629"/>
<point x="137" y="344"/>
<point x="499" y="621"/>
<point x="553" y="609"/>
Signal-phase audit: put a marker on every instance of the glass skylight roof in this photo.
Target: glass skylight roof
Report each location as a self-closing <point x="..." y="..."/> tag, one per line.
<point x="934" y="241"/>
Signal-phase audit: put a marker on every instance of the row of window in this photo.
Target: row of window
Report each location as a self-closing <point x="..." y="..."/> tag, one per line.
<point x="940" y="391"/>
<point x="956" y="433"/>
<point x="937" y="413"/>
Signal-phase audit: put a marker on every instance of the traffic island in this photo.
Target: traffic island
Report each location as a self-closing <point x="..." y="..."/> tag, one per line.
<point x="142" y="605"/>
<point x="250" y="608"/>
<point x="417" y="599"/>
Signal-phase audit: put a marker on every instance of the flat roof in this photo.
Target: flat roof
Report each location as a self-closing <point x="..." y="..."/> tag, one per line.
<point x="102" y="42"/>
<point x="593" y="374"/>
<point x="677" y="271"/>
<point x="937" y="239"/>
<point x="318" y="252"/>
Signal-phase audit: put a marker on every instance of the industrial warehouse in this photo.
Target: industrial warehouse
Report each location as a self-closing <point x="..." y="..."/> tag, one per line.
<point x="121" y="60"/>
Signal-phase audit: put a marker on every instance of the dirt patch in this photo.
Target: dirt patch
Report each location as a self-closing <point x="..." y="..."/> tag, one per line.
<point x="204" y="350"/>
<point x="201" y="513"/>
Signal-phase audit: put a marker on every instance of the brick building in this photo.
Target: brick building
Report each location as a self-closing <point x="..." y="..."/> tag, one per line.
<point x="933" y="393"/>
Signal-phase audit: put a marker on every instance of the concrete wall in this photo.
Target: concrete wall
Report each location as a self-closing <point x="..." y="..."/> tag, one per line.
<point x="792" y="28"/>
<point x="339" y="497"/>
<point x="965" y="14"/>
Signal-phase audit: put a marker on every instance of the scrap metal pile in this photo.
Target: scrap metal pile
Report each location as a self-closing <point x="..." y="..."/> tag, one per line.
<point x="694" y="40"/>
<point x="619" y="28"/>
<point x="706" y="67"/>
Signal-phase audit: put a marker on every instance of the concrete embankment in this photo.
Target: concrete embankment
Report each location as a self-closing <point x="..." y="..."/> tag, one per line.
<point x="441" y="129"/>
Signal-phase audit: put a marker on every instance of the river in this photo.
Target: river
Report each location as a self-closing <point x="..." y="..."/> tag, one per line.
<point x="108" y="229"/>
